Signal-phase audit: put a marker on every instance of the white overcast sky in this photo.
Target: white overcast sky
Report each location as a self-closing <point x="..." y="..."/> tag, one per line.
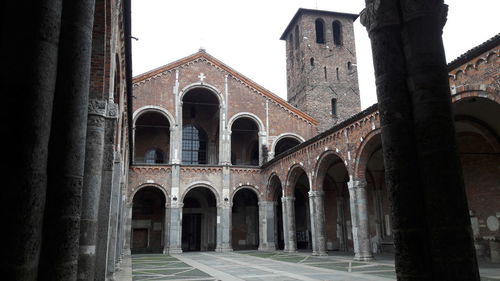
<point x="245" y="34"/>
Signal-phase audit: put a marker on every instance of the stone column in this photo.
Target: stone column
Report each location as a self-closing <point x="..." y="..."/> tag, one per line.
<point x="113" y="215"/>
<point x="128" y="229"/>
<point x="175" y="232"/>
<point x="418" y="131"/>
<point x="318" y="231"/>
<point x="359" y="217"/>
<point x="30" y="81"/>
<point x="289" y="229"/>
<point x="91" y="188"/>
<point x="61" y="226"/>
<point x="224" y="227"/>
<point x="267" y="223"/>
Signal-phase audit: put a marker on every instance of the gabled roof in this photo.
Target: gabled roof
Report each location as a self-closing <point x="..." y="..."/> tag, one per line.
<point x="474" y="52"/>
<point x="302" y="11"/>
<point x="203" y="54"/>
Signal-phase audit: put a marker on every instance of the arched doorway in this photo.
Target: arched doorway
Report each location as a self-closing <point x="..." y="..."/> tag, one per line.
<point x="244" y="142"/>
<point x="200" y="127"/>
<point x="277" y="192"/>
<point x="148" y="221"/>
<point x="477" y="125"/>
<point x="379" y="209"/>
<point x="245" y="220"/>
<point x="332" y="177"/>
<point x="199" y="223"/>
<point x="152" y="138"/>
<point x="302" y="217"/>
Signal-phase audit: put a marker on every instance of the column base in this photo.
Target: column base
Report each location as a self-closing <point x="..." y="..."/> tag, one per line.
<point x="290" y="251"/>
<point x="223" y="249"/>
<point x="172" y="251"/>
<point x="268" y="247"/>
<point x="363" y="257"/>
<point x="319" y="253"/>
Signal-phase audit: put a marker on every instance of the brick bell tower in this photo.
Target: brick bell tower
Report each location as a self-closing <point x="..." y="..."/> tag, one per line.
<point x="322" y="77"/>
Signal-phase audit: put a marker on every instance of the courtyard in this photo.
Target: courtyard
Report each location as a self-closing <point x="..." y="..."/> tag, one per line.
<point x="259" y="265"/>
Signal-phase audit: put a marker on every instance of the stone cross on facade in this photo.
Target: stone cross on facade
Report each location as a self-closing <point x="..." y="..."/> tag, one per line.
<point x="201" y="76"/>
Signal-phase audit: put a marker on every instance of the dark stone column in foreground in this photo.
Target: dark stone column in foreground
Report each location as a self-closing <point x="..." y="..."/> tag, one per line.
<point x="61" y="229"/>
<point x="431" y="227"/>
<point x="29" y="47"/>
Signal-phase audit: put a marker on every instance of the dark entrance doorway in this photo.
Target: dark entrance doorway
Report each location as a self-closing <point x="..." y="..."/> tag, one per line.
<point x="199" y="220"/>
<point x="245" y="220"/>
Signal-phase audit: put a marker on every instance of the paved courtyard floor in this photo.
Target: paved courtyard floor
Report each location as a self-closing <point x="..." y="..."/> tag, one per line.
<point x="255" y="265"/>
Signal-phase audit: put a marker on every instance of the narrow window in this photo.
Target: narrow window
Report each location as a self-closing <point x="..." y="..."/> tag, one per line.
<point x="296" y="37"/>
<point x="334" y="106"/>
<point x="337" y="33"/>
<point x="320" y="31"/>
<point x="349" y="65"/>
<point x="337" y="72"/>
<point x="312" y="61"/>
<point x="324" y="69"/>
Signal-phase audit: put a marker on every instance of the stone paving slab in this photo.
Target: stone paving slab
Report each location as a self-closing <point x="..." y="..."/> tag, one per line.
<point x="269" y="266"/>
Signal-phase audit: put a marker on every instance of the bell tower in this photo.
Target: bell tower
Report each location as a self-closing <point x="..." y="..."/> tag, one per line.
<point x="321" y="67"/>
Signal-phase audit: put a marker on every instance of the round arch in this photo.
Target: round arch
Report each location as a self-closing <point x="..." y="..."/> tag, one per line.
<point x="322" y="164"/>
<point x="286" y="135"/>
<point x="249" y="187"/>
<point x="270" y="188"/>
<point x="475" y="91"/>
<point x="292" y="177"/>
<point x="201" y="85"/>
<point x="144" y="185"/>
<point x="363" y="153"/>
<point x="152" y="108"/>
<point x="247" y="115"/>
<point x="202" y="184"/>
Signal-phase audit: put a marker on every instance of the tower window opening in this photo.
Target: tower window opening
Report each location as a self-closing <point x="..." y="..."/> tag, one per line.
<point x="312" y="61"/>
<point x="349" y="65"/>
<point x="337" y="33"/>
<point x="337" y="73"/>
<point x="334" y="106"/>
<point x="324" y="69"/>
<point x="320" y="31"/>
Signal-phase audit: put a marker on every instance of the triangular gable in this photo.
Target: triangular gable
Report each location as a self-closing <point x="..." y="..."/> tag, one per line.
<point x="238" y="76"/>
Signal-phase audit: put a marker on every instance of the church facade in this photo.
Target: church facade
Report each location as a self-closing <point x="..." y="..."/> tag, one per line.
<point x="221" y="164"/>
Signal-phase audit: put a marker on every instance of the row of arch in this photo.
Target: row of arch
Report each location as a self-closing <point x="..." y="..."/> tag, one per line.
<point x="201" y="133"/>
<point x="326" y="202"/>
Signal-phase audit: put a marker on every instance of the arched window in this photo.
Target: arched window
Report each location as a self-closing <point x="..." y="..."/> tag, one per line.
<point x="337" y="33"/>
<point x="312" y="61"/>
<point x="334" y="106"/>
<point x="154" y="155"/>
<point x="320" y="31"/>
<point x="194" y="145"/>
<point x="297" y="37"/>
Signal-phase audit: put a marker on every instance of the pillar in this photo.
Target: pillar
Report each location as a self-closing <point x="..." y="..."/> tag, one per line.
<point x="318" y="231"/>
<point x="166" y="227"/>
<point x="289" y="229"/>
<point x="267" y="223"/>
<point x="30" y="80"/>
<point x="61" y="226"/>
<point x="113" y="215"/>
<point x="127" y="243"/>
<point x="359" y="218"/>
<point x="91" y="189"/>
<point x="432" y="231"/>
<point x="224" y="227"/>
<point x="175" y="232"/>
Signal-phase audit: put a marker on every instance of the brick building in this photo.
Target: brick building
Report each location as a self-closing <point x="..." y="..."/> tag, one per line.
<point x="228" y="165"/>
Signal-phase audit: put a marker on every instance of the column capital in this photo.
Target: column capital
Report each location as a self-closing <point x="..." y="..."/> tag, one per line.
<point x="379" y="14"/>
<point x="287" y="198"/>
<point x="316" y="193"/>
<point x="412" y="10"/>
<point x="357" y="184"/>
